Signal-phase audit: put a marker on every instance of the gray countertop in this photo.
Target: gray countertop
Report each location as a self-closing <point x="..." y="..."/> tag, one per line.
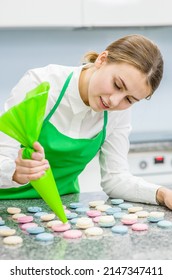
<point x="154" y="244"/>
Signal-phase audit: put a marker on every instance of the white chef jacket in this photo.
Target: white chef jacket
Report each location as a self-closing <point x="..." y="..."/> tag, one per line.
<point x="74" y="119"/>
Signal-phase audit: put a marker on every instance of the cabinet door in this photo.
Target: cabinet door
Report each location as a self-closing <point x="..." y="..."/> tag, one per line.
<point x="127" y="12"/>
<point x="40" y="13"/>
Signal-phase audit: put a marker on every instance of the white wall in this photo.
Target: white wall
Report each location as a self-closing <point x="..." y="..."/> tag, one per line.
<point x="22" y="49"/>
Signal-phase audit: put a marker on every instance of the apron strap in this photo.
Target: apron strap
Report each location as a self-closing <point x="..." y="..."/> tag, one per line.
<point x="104" y="126"/>
<point x="105" y="119"/>
<point x="59" y="98"/>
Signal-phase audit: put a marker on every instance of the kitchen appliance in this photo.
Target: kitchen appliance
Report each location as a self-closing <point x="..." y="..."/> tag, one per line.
<point x="150" y="156"/>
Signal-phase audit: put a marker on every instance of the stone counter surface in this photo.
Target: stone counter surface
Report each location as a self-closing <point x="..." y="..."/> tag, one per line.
<point x="154" y="244"/>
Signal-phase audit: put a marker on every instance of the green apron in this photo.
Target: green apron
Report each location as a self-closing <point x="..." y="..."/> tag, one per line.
<point x="67" y="156"/>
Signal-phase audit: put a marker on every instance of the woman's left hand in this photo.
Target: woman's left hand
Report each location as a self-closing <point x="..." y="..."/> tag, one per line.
<point x="164" y="197"/>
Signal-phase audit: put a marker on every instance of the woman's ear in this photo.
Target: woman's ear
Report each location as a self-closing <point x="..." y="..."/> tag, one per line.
<point x="101" y="59"/>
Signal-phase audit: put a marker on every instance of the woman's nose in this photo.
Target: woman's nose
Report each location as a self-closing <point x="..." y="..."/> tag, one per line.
<point x="115" y="100"/>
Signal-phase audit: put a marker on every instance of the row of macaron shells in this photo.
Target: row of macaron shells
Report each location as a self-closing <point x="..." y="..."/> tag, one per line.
<point x="102" y="214"/>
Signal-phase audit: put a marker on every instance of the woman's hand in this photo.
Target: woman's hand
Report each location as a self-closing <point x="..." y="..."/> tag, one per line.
<point x="164" y="197"/>
<point x="30" y="169"/>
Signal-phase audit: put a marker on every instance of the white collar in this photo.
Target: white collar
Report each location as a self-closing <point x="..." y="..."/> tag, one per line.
<point x="75" y="99"/>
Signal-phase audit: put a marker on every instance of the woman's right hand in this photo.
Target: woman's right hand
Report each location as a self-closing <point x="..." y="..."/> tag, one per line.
<point x="30" y="169"/>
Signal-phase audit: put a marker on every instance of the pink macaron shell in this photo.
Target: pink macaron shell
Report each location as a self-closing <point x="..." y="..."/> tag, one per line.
<point x="128" y="221"/>
<point x="96" y="219"/>
<point x="28" y="225"/>
<point x="67" y="211"/>
<point x="72" y="234"/>
<point x="25" y="219"/>
<point x="139" y="227"/>
<point x="61" y="228"/>
<point x="93" y="213"/>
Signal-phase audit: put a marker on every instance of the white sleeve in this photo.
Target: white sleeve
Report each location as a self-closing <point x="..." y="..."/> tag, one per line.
<point x="116" y="179"/>
<point x="8" y="153"/>
<point x="18" y="93"/>
<point x="8" y="146"/>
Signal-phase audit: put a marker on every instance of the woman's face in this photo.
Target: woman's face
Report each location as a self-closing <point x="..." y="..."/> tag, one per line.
<point x="115" y="86"/>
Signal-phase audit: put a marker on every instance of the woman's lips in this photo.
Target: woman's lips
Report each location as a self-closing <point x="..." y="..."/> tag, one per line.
<point x="105" y="106"/>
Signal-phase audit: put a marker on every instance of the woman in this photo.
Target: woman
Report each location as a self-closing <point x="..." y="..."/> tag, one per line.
<point x="88" y="111"/>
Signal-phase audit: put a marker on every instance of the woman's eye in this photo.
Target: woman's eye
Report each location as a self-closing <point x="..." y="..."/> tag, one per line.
<point x="118" y="87"/>
<point x="129" y="100"/>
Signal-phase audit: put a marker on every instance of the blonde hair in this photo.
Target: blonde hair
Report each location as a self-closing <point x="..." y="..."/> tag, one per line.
<point x="137" y="51"/>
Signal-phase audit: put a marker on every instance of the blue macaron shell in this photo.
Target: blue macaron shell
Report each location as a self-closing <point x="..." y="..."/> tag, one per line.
<point x="2" y="222"/>
<point x="111" y="211"/>
<point x="39" y="214"/>
<point x="164" y="224"/>
<point x="117" y="201"/>
<point x="34" y="209"/>
<point x="75" y="205"/>
<point x="119" y="215"/>
<point x="82" y="210"/>
<point x="35" y="230"/>
<point x="71" y="215"/>
<point x="106" y="225"/>
<point x="120" y="229"/>
<point x="125" y="206"/>
<point x="155" y="219"/>
<point x="45" y="237"/>
<point x="4" y="227"/>
<point x="73" y="221"/>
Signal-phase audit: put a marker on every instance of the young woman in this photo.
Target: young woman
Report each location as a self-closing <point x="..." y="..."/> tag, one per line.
<point x="88" y="110"/>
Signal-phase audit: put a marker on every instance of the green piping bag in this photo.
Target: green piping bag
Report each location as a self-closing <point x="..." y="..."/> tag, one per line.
<point x="23" y="122"/>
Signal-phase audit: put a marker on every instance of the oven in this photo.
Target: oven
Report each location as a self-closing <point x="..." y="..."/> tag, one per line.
<point x="150" y="156"/>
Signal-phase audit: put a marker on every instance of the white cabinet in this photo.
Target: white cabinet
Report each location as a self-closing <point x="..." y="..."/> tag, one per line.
<point x="85" y="13"/>
<point x="127" y="12"/>
<point x="40" y="13"/>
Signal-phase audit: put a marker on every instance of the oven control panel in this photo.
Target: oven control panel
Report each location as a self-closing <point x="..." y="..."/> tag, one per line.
<point x="151" y="165"/>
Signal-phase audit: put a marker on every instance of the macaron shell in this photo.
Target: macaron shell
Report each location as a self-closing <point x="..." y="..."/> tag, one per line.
<point x="28" y="225"/>
<point x="128" y="222"/>
<point x="25" y="219"/>
<point x="117" y="201"/>
<point x="54" y="222"/>
<point x="139" y="227"/>
<point x="95" y="203"/>
<point x="47" y="217"/>
<point x="35" y="230"/>
<point x="135" y="209"/>
<point x="111" y="211"/>
<point x="154" y="219"/>
<point x="18" y="215"/>
<point x="2" y="222"/>
<point x="93" y="213"/>
<point x="12" y="240"/>
<point x="96" y="219"/>
<point x="45" y="237"/>
<point x="72" y="234"/>
<point x="125" y="205"/>
<point x="120" y="229"/>
<point x="103" y="207"/>
<point x="130" y="217"/>
<point x="71" y="215"/>
<point x="164" y="224"/>
<point x="34" y="209"/>
<point x="74" y="205"/>
<point x="13" y="210"/>
<point x="7" y="232"/>
<point x="61" y="228"/>
<point x="142" y="214"/>
<point x="156" y="214"/>
<point x="93" y="231"/>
